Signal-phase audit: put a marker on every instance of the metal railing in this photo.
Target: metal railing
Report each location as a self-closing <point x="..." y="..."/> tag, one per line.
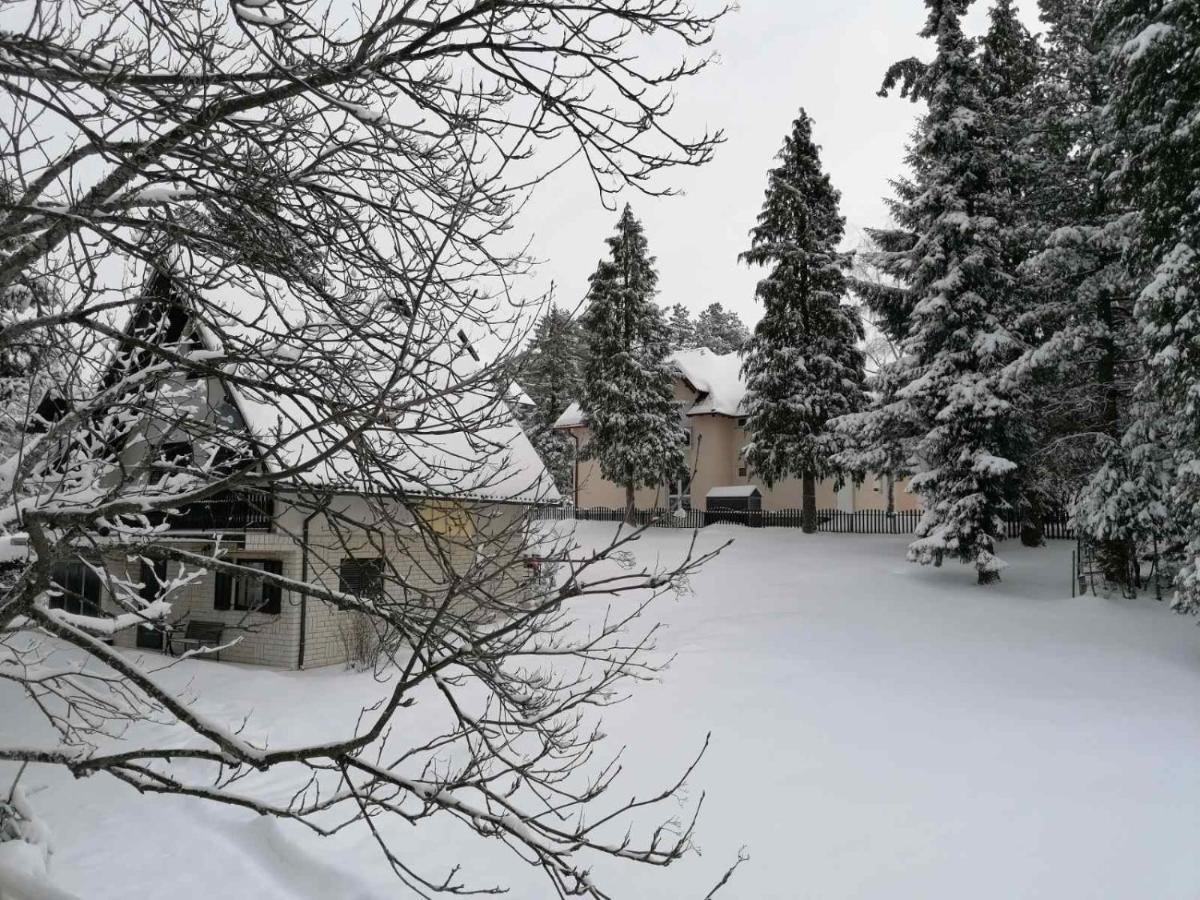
<point x="1055" y="525"/>
<point x="239" y="511"/>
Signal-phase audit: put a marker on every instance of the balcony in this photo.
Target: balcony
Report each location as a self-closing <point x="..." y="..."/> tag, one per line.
<point x="240" y="511"/>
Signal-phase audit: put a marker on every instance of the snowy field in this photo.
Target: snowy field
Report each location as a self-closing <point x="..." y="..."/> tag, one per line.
<point x="879" y="730"/>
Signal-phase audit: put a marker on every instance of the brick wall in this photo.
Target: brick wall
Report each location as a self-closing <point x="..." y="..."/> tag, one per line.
<point x="274" y="640"/>
<point x="269" y="640"/>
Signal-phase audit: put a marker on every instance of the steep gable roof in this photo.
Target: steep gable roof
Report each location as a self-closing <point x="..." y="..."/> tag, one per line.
<point x="282" y="357"/>
<point x="716" y="378"/>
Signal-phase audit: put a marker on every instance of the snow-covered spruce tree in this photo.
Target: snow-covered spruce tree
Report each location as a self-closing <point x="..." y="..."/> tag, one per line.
<point x="802" y="366"/>
<point x="1009" y="60"/>
<point x="682" y="328"/>
<point x="262" y="228"/>
<point x="1154" y="53"/>
<point x="957" y="340"/>
<point x="551" y="372"/>
<point x="881" y="437"/>
<point x="1079" y="363"/>
<point x="721" y="330"/>
<point x="874" y="439"/>
<point x="636" y="430"/>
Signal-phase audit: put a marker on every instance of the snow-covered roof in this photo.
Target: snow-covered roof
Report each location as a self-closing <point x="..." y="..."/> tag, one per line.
<point x="518" y="395"/>
<point x="718" y="378"/>
<point x="734" y="490"/>
<point x="572" y="417"/>
<point x="416" y="442"/>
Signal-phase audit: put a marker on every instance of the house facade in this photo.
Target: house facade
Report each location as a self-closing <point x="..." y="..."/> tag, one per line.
<point x="264" y="625"/>
<point x="406" y="531"/>
<point x="710" y="393"/>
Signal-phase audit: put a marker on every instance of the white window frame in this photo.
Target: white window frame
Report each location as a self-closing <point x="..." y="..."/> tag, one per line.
<point x="679" y="494"/>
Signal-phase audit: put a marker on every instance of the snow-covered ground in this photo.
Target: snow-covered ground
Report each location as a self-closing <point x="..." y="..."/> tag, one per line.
<point x="879" y="730"/>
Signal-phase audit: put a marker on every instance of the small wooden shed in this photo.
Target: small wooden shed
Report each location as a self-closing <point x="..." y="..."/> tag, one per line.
<point x="735" y="497"/>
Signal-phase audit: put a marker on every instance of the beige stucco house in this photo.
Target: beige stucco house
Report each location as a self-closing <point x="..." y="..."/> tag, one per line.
<point x="710" y="393"/>
<point x="334" y="524"/>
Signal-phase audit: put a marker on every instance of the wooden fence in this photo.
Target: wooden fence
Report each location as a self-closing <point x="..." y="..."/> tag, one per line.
<point x="1055" y="525"/>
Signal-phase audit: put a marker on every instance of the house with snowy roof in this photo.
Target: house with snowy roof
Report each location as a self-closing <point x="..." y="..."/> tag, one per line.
<point x="710" y="393"/>
<point x="324" y="515"/>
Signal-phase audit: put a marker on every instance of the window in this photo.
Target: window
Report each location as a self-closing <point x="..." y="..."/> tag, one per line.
<point x="361" y="577"/>
<point x="742" y="422"/>
<point x="686" y="421"/>
<point x="149" y="635"/>
<point x="245" y="592"/>
<point x="741" y="471"/>
<point x="227" y="460"/>
<point x="153" y="577"/>
<point x="681" y="494"/>
<point x="78" y="588"/>
<point x="447" y="518"/>
<point x="174" y="455"/>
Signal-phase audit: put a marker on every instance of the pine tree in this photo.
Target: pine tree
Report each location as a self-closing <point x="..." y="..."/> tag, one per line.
<point x="802" y="366"/>
<point x="1009" y="63"/>
<point x="551" y="372"/>
<point x="637" y="433"/>
<point x="1154" y="50"/>
<point x="682" y="328"/>
<point x="970" y="434"/>
<point x="1079" y="358"/>
<point x="720" y="330"/>
<point x="875" y="439"/>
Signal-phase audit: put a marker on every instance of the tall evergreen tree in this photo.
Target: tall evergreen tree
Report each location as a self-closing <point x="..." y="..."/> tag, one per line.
<point x="1009" y="63"/>
<point x="637" y="432"/>
<point x="1154" y="50"/>
<point x="1079" y="359"/>
<point x="874" y="440"/>
<point x="551" y="372"/>
<point x="682" y="328"/>
<point x="970" y="435"/>
<point x="802" y="366"/>
<point x="721" y="330"/>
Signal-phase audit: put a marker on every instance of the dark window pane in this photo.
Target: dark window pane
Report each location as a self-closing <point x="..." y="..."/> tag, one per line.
<point x="247" y="593"/>
<point x="361" y="577"/>
<point x="80" y="589"/>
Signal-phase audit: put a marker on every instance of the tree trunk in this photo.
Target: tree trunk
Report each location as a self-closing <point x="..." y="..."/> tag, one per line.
<point x="1032" y="527"/>
<point x="630" y="508"/>
<point x="1118" y="558"/>
<point x="808" y="509"/>
<point x="891" y="493"/>
<point x="988" y="576"/>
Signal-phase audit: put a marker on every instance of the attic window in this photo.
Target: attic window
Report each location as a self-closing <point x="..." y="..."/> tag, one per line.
<point x="175" y="454"/>
<point x="50" y="410"/>
<point x="228" y="460"/>
<point x="742" y="421"/>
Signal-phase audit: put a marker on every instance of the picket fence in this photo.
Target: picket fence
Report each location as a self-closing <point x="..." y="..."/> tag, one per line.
<point x="1055" y="525"/>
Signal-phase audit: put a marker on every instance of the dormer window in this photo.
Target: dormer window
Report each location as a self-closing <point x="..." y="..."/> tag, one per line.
<point x="174" y="454"/>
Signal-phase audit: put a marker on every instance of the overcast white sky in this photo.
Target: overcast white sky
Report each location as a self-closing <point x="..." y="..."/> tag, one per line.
<point x="828" y="56"/>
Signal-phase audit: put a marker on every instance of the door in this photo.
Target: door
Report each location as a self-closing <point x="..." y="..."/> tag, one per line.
<point x="154" y="576"/>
